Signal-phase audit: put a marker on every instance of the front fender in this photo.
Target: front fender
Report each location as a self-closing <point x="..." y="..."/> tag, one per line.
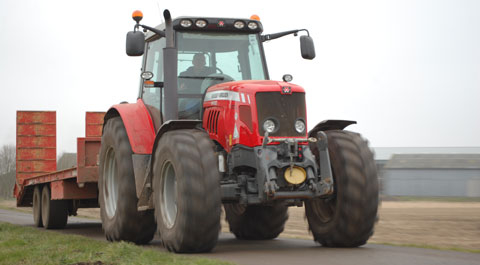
<point x="327" y="125"/>
<point x="138" y="123"/>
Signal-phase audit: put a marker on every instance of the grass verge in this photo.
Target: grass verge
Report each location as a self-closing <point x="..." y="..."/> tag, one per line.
<point x="27" y="245"/>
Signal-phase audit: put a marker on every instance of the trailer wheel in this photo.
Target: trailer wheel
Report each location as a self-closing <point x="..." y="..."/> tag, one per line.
<point x="347" y="218"/>
<point x="54" y="212"/>
<point x="187" y="191"/>
<point x="37" y="206"/>
<point x="116" y="185"/>
<point x="256" y="222"/>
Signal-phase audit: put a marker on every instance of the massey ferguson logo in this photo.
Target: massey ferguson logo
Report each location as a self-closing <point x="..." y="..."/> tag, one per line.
<point x="286" y="90"/>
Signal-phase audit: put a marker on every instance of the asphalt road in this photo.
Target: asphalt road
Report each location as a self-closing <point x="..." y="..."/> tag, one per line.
<point x="280" y="251"/>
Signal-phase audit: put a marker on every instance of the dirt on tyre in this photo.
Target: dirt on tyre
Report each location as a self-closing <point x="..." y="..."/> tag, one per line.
<point x="37" y="206"/>
<point x="54" y="212"/>
<point x="256" y="222"/>
<point x="346" y="218"/>
<point x="186" y="185"/>
<point x="116" y="185"/>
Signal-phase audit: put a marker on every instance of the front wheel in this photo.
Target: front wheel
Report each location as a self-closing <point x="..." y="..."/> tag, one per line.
<point x="187" y="191"/>
<point x="347" y="218"/>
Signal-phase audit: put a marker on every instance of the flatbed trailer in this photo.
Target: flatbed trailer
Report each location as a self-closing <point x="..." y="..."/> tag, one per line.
<point x="55" y="194"/>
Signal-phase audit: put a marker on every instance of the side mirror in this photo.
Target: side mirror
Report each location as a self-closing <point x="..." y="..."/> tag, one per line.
<point x="135" y="43"/>
<point x="307" y="47"/>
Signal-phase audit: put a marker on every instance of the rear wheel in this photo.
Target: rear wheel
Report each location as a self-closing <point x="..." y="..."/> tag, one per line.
<point x="54" y="212"/>
<point x="256" y="222"/>
<point x="37" y="206"/>
<point x="187" y="191"/>
<point x="347" y="218"/>
<point x="116" y="185"/>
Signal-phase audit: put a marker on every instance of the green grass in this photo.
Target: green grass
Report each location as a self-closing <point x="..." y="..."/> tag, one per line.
<point x="467" y="250"/>
<point x="27" y="245"/>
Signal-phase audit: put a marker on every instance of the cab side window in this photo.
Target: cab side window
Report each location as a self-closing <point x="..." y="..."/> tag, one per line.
<point x="154" y="64"/>
<point x="152" y="95"/>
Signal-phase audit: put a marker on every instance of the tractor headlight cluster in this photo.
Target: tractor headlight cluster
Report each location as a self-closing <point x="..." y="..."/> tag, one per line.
<point x="252" y="25"/>
<point x="201" y="23"/>
<point x="269" y="126"/>
<point x="239" y="24"/>
<point x="300" y="126"/>
<point x="186" y="23"/>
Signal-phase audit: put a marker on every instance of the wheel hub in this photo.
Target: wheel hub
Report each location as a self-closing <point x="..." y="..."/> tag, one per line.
<point x="110" y="183"/>
<point x="169" y="195"/>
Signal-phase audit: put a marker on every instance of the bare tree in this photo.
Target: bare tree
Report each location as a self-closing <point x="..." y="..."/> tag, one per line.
<point x="7" y="170"/>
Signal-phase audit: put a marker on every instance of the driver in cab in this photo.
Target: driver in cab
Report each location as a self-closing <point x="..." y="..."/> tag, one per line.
<point x="190" y="82"/>
<point x="191" y="79"/>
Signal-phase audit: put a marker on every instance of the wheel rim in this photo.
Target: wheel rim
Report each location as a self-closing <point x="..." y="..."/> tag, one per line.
<point x="110" y="183"/>
<point x="169" y="195"/>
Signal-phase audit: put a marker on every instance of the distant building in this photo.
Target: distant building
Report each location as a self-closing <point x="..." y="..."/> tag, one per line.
<point x="453" y="175"/>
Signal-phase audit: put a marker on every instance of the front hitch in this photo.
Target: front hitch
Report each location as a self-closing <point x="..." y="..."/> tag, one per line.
<point x="325" y="185"/>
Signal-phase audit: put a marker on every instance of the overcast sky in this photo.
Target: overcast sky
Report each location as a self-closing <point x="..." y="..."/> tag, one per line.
<point x="407" y="71"/>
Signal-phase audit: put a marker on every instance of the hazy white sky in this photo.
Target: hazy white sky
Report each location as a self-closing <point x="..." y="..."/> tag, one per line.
<point x="407" y="71"/>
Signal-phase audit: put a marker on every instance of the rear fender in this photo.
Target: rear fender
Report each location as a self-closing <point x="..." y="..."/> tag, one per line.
<point x="138" y="123"/>
<point x="328" y="125"/>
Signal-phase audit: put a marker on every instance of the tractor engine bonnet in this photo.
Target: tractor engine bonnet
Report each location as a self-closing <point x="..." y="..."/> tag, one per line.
<point x="235" y="112"/>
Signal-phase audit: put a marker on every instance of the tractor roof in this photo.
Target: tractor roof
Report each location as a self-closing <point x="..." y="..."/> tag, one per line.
<point x="209" y="24"/>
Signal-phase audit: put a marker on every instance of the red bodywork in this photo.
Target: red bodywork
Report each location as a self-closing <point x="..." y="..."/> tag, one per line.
<point x="139" y="126"/>
<point x="238" y="109"/>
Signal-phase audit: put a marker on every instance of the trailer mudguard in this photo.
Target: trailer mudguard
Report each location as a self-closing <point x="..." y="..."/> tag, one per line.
<point x="138" y="123"/>
<point x="327" y="125"/>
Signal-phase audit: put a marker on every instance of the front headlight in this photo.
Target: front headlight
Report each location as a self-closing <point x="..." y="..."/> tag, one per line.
<point x="269" y="126"/>
<point x="300" y="126"/>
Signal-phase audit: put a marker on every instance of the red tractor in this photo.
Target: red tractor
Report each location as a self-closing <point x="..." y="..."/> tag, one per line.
<point x="210" y="128"/>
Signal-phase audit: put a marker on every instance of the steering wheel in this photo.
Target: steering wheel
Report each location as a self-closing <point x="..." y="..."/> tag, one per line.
<point x="219" y="70"/>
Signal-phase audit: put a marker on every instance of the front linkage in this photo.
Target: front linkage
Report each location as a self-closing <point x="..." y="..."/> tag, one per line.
<point x="302" y="177"/>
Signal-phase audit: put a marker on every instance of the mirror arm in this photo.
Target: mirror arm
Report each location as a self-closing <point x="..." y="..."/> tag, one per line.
<point x="281" y="34"/>
<point x="154" y="30"/>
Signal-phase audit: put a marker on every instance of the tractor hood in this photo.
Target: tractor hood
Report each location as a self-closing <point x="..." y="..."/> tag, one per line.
<point x="253" y="86"/>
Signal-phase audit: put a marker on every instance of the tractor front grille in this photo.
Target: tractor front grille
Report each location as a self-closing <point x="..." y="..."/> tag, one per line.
<point x="284" y="109"/>
<point x="212" y="121"/>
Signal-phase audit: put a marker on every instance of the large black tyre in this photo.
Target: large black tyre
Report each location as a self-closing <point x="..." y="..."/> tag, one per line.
<point x="187" y="191"/>
<point x="256" y="222"/>
<point x="347" y="218"/>
<point x="54" y="212"/>
<point x="116" y="185"/>
<point x="37" y="206"/>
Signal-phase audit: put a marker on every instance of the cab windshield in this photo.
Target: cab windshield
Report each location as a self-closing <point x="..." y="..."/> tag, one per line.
<point x="207" y="59"/>
<point x="213" y="57"/>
